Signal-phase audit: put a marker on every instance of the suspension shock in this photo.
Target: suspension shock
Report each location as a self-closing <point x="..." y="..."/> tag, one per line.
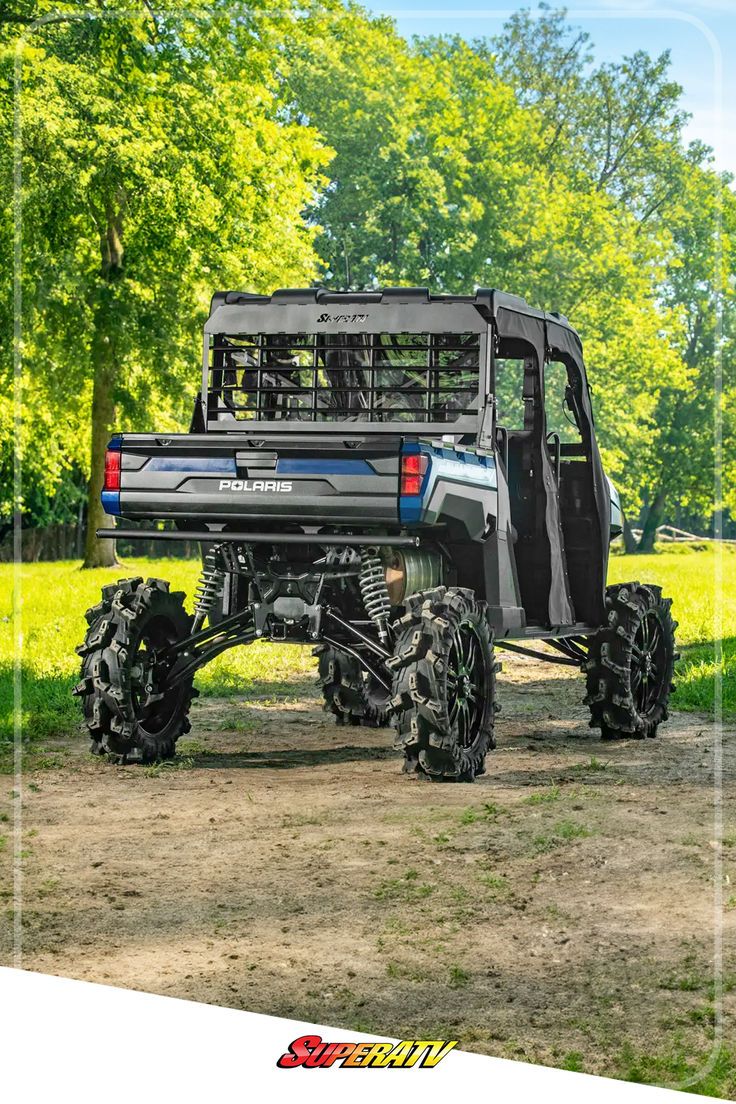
<point x="209" y="588"/>
<point x="372" y="583"/>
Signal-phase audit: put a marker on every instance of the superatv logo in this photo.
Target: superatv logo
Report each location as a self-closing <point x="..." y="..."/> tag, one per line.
<point x="337" y="318"/>
<point x="282" y="486"/>
<point x="309" y="1051"/>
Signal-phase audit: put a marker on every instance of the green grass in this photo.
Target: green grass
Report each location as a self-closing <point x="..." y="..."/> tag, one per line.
<point x="458" y="977"/>
<point x="563" y="832"/>
<point x="542" y="797"/>
<point x="487" y="811"/>
<point x="695" y="1069"/>
<point x="407" y="888"/>
<point x="569" y="829"/>
<point x="713" y="1076"/>
<point x="55" y="596"/>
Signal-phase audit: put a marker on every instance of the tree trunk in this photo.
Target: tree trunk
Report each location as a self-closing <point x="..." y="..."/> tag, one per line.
<point x="104" y="353"/>
<point x="100" y="553"/>
<point x="654" y="518"/>
<point x="629" y="538"/>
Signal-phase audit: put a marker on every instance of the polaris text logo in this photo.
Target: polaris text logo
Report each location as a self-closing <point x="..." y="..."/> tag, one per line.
<point x="342" y="318"/>
<point x="279" y="485"/>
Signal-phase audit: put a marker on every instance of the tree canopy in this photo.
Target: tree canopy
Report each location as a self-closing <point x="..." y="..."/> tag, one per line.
<point x="164" y="157"/>
<point x="156" y="167"/>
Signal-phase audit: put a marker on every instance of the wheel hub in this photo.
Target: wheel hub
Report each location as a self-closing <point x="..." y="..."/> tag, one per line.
<point x="148" y="679"/>
<point x="645" y="663"/>
<point x="648" y="662"/>
<point x="466" y="702"/>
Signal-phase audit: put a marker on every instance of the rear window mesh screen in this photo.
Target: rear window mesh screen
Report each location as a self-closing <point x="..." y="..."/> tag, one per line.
<point x="333" y="377"/>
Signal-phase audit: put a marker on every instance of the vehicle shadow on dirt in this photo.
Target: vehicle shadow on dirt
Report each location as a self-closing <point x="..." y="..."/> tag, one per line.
<point x="223" y="684"/>
<point x="290" y="757"/>
<point x="542" y="716"/>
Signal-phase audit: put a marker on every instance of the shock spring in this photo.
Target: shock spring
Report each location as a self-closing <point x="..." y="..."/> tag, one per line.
<point x="209" y="588"/>
<point x="372" y="583"/>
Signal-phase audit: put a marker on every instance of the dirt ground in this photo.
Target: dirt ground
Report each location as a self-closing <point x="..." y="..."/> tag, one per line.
<point x="560" y="910"/>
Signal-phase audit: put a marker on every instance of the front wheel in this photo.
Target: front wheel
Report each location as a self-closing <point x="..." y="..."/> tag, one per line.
<point x="129" y="711"/>
<point x="444" y="685"/>
<point x="630" y="663"/>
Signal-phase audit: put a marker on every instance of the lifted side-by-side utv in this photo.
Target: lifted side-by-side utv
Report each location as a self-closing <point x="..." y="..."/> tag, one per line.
<point x="357" y="484"/>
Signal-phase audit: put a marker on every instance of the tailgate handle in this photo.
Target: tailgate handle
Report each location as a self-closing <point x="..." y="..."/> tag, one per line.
<point x="254" y="459"/>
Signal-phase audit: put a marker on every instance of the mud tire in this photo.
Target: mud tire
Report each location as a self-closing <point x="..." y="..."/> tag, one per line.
<point x="349" y="692"/>
<point x="124" y="720"/>
<point x="628" y="696"/>
<point x="444" y="718"/>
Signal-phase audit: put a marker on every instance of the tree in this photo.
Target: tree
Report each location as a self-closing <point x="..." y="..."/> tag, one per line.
<point x="622" y="125"/>
<point x="442" y="176"/>
<point x="156" y="166"/>
<point x="699" y="284"/>
<point x="164" y="156"/>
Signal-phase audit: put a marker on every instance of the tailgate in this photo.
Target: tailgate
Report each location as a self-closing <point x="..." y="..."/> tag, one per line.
<point x="229" y="478"/>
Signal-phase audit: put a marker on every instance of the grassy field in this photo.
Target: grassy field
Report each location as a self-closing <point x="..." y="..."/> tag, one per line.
<point x="55" y="596"/>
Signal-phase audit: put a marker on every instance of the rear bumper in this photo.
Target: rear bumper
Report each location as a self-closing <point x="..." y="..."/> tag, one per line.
<point x="230" y="537"/>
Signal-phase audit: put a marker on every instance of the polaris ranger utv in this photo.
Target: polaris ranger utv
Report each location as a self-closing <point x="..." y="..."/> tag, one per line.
<point x="355" y="486"/>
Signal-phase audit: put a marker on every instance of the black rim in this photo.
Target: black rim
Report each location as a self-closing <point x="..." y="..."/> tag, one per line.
<point x="465" y="683"/>
<point x="648" y="661"/>
<point x="146" y="673"/>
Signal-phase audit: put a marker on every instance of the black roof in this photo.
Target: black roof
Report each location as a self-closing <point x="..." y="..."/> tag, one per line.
<point x="488" y="300"/>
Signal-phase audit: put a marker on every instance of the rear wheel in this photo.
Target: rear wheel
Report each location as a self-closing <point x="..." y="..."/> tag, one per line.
<point x="352" y="694"/>
<point x="128" y="710"/>
<point x="444" y="685"/>
<point x="630" y="663"/>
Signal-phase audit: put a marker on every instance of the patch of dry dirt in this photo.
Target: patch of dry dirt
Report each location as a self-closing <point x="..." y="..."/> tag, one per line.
<point x="561" y="906"/>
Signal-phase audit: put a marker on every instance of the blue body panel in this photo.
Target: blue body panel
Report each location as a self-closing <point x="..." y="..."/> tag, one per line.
<point x="450" y="464"/>
<point x="110" y="502"/>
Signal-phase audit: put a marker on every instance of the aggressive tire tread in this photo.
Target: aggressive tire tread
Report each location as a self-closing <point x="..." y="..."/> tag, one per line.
<point x="116" y="626"/>
<point x="420" y="698"/>
<point x="609" y="668"/>
<point x="347" y="693"/>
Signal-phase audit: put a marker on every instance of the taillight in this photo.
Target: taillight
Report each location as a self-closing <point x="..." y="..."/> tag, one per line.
<point x="413" y="470"/>
<point x="112" y="470"/>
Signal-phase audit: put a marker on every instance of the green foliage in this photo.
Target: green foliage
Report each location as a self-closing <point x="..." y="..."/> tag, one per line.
<point x="518" y="164"/>
<point x="165" y="155"/>
<point x="157" y="166"/>
<point x="621" y="126"/>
